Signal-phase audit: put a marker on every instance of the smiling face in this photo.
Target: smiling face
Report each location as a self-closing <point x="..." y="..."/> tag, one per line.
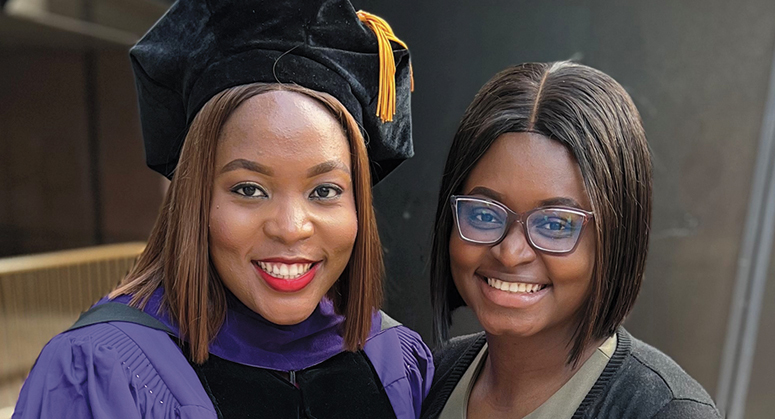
<point x="524" y="171"/>
<point x="282" y="217"/>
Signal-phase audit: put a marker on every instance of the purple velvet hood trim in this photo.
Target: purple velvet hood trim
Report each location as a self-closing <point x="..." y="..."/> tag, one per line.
<point x="249" y="339"/>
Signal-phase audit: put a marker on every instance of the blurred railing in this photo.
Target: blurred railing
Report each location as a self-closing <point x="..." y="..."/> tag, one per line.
<point x="42" y="295"/>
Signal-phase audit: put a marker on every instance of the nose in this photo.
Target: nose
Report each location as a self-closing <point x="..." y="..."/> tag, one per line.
<point x="514" y="249"/>
<point x="289" y="223"/>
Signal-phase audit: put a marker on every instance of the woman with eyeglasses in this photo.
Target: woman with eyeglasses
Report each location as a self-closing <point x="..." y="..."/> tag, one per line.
<point x="542" y="230"/>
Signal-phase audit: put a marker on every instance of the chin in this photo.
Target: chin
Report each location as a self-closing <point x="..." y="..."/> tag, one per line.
<point x="499" y="325"/>
<point x="289" y="319"/>
<point x="287" y="316"/>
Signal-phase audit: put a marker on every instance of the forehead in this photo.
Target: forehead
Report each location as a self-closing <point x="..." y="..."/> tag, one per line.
<point x="528" y="168"/>
<point x="282" y="125"/>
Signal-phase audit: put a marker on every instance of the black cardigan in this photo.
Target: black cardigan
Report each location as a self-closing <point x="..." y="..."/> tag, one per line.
<point x="639" y="382"/>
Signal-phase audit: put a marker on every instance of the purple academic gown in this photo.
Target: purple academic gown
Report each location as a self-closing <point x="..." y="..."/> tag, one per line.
<point x="125" y="370"/>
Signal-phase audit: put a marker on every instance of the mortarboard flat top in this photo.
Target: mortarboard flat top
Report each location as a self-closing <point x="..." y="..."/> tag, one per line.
<point x="200" y="48"/>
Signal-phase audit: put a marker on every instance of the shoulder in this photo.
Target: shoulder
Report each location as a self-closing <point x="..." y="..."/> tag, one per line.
<point x="686" y="395"/>
<point x="401" y="344"/>
<point x="396" y="344"/>
<point x="451" y="359"/>
<point x="649" y="384"/>
<point x="657" y="367"/>
<point x="101" y="369"/>
<point x="404" y="365"/>
<point x="460" y="349"/>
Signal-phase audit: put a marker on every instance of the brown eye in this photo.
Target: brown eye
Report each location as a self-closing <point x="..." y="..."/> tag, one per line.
<point x="249" y="190"/>
<point x="326" y="192"/>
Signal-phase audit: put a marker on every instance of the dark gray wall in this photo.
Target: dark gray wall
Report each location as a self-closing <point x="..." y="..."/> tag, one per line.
<point x="698" y="72"/>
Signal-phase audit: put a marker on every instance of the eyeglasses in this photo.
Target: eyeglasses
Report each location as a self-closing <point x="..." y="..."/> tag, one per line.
<point x="554" y="230"/>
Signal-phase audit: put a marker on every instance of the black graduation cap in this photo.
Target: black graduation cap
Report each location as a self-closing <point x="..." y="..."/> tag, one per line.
<point x="202" y="47"/>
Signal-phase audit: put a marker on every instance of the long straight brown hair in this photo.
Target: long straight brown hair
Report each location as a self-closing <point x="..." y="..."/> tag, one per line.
<point x="177" y="256"/>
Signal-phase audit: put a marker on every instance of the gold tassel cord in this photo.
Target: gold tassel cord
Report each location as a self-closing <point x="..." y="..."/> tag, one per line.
<point x="386" y="101"/>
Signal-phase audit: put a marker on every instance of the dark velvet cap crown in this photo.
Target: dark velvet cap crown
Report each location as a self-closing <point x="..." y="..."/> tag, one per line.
<point x="202" y="47"/>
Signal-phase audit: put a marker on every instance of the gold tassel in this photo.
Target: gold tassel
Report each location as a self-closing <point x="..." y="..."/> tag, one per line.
<point x="386" y="101"/>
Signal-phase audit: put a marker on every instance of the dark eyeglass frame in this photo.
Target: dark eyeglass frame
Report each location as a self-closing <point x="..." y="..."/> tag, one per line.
<point x="521" y="219"/>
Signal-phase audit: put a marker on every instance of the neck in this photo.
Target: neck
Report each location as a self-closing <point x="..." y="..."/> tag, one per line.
<point x="521" y="373"/>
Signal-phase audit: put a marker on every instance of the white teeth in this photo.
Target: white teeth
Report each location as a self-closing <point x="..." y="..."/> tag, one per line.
<point x="284" y="270"/>
<point x="514" y="287"/>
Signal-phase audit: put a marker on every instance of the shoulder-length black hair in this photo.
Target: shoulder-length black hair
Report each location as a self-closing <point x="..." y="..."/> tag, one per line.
<point x="592" y="115"/>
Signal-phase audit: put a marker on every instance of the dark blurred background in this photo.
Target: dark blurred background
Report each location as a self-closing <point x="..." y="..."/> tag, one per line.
<point x="72" y="169"/>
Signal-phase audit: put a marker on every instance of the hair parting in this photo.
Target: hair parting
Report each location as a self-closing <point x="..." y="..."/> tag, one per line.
<point x="594" y="117"/>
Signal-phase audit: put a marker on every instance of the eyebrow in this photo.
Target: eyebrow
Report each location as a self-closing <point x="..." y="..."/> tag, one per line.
<point x="248" y="165"/>
<point x="326" y="167"/>
<point x="560" y="201"/>
<point x="556" y="201"/>
<point x="481" y="190"/>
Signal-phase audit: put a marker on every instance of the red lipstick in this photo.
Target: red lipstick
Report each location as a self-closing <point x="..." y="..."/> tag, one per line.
<point x="287" y="285"/>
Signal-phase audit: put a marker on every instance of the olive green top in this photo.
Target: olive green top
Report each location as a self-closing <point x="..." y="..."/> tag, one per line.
<point x="561" y="405"/>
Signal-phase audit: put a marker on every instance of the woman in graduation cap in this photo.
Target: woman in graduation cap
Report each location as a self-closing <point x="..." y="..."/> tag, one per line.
<point x="542" y="231"/>
<point x="258" y="294"/>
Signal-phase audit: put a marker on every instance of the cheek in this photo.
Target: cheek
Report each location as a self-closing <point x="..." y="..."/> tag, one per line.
<point x="463" y="255"/>
<point x="587" y="252"/>
<point x="230" y="228"/>
<point x="576" y="268"/>
<point x="339" y="229"/>
<point x="346" y="231"/>
<point x="464" y="259"/>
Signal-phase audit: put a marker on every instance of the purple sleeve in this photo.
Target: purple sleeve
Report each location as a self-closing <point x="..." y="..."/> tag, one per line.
<point x="404" y="364"/>
<point x="113" y="370"/>
<point x="419" y="365"/>
<point x="74" y="378"/>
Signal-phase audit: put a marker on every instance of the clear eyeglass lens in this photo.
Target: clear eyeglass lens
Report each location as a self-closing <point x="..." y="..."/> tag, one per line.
<point x="555" y="229"/>
<point x="480" y="221"/>
<point x="552" y="229"/>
